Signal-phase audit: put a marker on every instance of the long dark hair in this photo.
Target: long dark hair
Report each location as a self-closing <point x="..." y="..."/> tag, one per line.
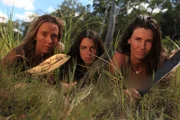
<point x="74" y="50"/>
<point x="152" y="60"/>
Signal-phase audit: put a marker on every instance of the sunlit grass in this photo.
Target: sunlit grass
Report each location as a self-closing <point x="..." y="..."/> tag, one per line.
<point x="9" y="38"/>
<point x="31" y="97"/>
<point x="73" y="26"/>
<point x="36" y="99"/>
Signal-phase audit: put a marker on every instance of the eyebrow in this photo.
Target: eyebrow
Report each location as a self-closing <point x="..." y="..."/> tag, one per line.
<point x="43" y="31"/>
<point x="141" y="38"/>
<point x="83" y="46"/>
<point x="87" y="46"/>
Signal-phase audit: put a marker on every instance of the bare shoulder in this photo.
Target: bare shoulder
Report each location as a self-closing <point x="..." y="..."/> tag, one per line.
<point x="12" y="56"/>
<point x="119" y="57"/>
<point x="117" y="61"/>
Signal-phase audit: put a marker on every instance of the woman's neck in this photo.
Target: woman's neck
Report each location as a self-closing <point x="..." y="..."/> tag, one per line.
<point x="137" y="65"/>
<point x="37" y="53"/>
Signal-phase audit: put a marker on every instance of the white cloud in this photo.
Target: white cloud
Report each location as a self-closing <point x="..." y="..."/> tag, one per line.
<point x="27" y="16"/>
<point x="25" y="4"/>
<point x="50" y="9"/>
<point x="3" y="17"/>
<point x="85" y="2"/>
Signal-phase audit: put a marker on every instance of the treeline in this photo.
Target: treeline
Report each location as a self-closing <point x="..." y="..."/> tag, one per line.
<point x="110" y="17"/>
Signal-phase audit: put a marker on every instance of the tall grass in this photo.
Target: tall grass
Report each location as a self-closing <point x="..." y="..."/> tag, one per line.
<point x="31" y="97"/>
<point x="73" y="26"/>
<point x="103" y="100"/>
<point x="8" y="37"/>
<point x="170" y="44"/>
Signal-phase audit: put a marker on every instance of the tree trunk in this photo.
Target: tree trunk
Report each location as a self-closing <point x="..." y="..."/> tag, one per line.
<point x="111" y="26"/>
<point x="104" y="19"/>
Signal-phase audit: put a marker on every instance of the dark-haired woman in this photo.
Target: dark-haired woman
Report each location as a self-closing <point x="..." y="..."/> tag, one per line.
<point x="86" y="48"/>
<point x="139" y="53"/>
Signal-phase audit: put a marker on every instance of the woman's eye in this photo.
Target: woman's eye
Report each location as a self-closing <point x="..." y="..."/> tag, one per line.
<point x="93" y="48"/>
<point x="54" y="37"/>
<point x="83" y="48"/>
<point x="137" y="39"/>
<point x="149" y="41"/>
<point x="44" y="34"/>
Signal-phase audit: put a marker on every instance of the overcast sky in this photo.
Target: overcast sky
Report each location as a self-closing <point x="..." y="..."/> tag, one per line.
<point x="21" y="9"/>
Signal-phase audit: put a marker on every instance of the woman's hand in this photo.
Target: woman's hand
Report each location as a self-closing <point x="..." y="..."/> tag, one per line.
<point x="132" y="94"/>
<point x="20" y="85"/>
<point x="67" y="86"/>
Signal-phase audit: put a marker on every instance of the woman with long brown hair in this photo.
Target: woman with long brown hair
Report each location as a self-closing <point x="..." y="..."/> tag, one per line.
<point x="40" y="42"/>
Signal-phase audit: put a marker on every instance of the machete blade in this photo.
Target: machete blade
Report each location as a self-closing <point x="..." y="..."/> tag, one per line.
<point x="167" y="67"/>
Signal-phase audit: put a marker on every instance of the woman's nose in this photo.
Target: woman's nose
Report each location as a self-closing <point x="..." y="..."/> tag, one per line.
<point x="143" y="45"/>
<point x="89" y="51"/>
<point x="49" y="39"/>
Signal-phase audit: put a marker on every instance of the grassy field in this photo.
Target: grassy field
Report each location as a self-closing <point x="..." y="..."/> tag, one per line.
<point x="23" y="96"/>
<point x="31" y="97"/>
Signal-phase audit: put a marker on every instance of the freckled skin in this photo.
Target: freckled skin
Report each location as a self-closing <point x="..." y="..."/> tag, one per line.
<point x="46" y="37"/>
<point x="87" y="51"/>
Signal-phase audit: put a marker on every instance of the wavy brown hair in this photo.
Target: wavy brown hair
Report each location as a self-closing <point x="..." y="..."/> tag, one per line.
<point x="29" y="43"/>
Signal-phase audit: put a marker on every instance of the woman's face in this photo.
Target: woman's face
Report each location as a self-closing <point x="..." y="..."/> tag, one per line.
<point x="87" y="51"/>
<point x="46" y="37"/>
<point x="140" y="43"/>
